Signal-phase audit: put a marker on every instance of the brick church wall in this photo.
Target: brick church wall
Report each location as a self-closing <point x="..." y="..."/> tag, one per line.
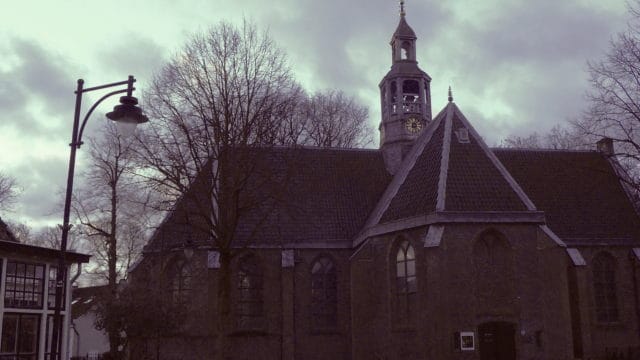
<point x="448" y="303"/>
<point x="287" y="332"/>
<point x="600" y="338"/>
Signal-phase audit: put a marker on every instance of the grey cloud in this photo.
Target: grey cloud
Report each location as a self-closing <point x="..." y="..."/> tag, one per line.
<point x="326" y="32"/>
<point x="43" y="181"/>
<point x="39" y="77"/>
<point x="135" y="55"/>
<point x="531" y="56"/>
<point x="545" y="31"/>
<point x="12" y="96"/>
<point x="45" y="75"/>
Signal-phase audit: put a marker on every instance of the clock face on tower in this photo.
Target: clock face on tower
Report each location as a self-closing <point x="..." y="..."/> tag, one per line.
<point x="413" y="125"/>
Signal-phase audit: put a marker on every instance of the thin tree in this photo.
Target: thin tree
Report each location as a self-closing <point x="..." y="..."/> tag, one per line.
<point x="8" y="191"/>
<point x="110" y="220"/>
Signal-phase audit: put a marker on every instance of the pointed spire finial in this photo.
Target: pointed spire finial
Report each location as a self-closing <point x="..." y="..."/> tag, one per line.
<point x="402" y="13"/>
<point x="450" y="95"/>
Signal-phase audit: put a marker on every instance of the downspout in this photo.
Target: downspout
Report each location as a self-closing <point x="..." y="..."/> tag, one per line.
<point x="78" y="273"/>
<point x="77" y="349"/>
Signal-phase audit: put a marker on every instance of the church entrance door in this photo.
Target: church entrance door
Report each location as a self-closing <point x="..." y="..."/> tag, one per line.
<point x="497" y="341"/>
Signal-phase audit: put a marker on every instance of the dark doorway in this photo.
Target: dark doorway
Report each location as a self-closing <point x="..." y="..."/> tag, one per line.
<point x="497" y="341"/>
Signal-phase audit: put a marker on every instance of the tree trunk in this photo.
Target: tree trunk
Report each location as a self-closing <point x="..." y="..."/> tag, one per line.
<point x="223" y="306"/>
<point x="113" y="331"/>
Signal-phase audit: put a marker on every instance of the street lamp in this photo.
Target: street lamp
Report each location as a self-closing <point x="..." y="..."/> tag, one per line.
<point x="126" y="115"/>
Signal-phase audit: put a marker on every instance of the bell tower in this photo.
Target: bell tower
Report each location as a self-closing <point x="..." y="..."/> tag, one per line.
<point x="405" y="97"/>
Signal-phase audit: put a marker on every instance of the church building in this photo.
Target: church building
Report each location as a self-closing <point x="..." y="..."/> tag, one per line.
<point x="433" y="246"/>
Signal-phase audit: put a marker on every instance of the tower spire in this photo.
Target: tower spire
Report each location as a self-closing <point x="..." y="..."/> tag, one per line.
<point x="402" y="13"/>
<point x="450" y="94"/>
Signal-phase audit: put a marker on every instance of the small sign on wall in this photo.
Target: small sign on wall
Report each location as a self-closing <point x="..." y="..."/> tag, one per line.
<point x="467" y="341"/>
<point x="213" y="260"/>
<point x="288" y="258"/>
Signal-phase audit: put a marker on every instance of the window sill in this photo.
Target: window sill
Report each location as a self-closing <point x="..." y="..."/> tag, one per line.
<point x="404" y="329"/>
<point x="611" y="325"/>
<point x="248" y="333"/>
<point x="320" y="332"/>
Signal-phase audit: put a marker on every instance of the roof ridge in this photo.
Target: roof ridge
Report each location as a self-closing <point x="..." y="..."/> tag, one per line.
<point x="444" y="159"/>
<point x="400" y="176"/>
<point x="497" y="148"/>
<point x="313" y="147"/>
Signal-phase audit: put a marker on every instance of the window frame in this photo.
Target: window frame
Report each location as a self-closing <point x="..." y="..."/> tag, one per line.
<point x="324" y="293"/>
<point x="405" y="283"/>
<point x="249" y="309"/>
<point x="181" y="283"/>
<point x="51" y="289"/>
<point x="17" y="351"/>
<point x="605" y="291"/>
<point x="13" y="280"/>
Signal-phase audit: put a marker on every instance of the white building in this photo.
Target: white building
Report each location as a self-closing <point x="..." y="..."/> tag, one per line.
<point x="27" y="275"/>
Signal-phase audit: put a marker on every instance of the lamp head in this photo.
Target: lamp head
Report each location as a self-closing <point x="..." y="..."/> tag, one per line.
<point x="127" y="115"/>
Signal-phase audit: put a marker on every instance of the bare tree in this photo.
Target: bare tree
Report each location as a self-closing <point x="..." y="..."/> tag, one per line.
<point x="330" y="119"/>
<point x="21" y="231"/>
<point x="337" y="120"/>
<point x="213" y="105"/>
<point x="218" y="107"/>
<point x="614" y="98"/>
<point x="50" y="236"/>
<point x="558" y="138"/>
<point x="110" y="218"/>
<point x="8" y="191"/>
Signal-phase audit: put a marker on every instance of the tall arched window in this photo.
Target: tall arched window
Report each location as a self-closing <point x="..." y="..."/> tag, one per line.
<point x="494" y="276"/>
<point x="324" y="293"/>
<point x="604" y="287"/>
<point x="406" y="286"/>
<point x="406" y="50"/>
<point x="249" y="307"/>
<point x="181" y="284"/>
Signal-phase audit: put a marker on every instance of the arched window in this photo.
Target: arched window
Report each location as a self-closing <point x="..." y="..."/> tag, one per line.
<point x="324" y="293"/>
<point x="494" y="276"/>
<point x="604" y="288"/>
<point x="249" y="307"/>
<point x="410" y="91"/>
<point x="394" y="92"/>
<point x="181" y="284"/>
<point x="406" y="286"/>
<point x="406" y="50"/>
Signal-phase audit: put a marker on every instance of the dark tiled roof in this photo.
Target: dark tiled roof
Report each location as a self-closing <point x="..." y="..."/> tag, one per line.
<point x="404" y="30"/>
<point x="302" y="195"/>
<point x="473" y="181"/>
<point x="418" y="193"/>
<point x="5" y="232"/>
<point x="583" y="201"/>
<point x="13" y="247"/>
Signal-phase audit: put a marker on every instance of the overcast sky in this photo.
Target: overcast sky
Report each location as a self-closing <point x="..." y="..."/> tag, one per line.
<point x="515" y="66"/>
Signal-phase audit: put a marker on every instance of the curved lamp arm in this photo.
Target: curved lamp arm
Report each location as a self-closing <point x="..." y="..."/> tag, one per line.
<point x="95" y="105"/>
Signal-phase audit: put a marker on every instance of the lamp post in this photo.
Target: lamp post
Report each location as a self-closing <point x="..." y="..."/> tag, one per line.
<point x="126" y="115"/>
